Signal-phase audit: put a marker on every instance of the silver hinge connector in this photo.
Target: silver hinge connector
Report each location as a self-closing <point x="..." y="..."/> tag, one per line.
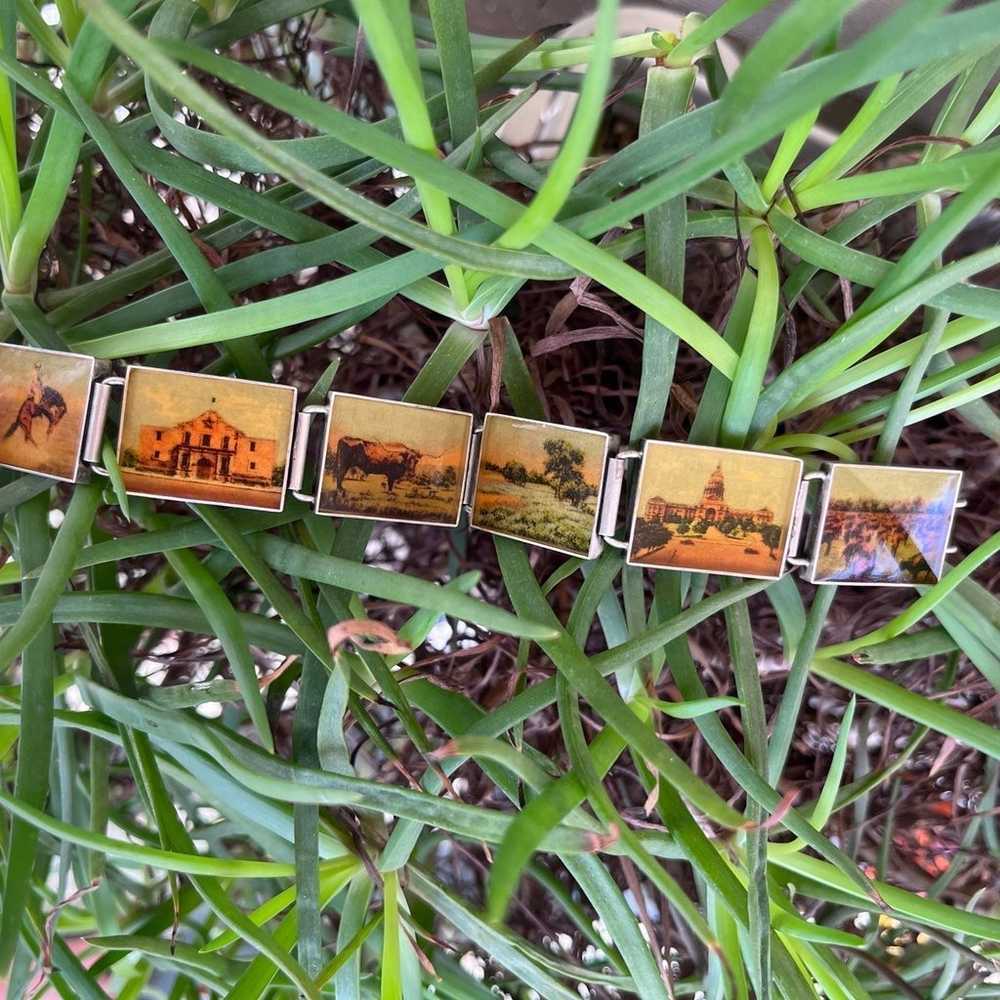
<point x="798" y="519"/>
<point x="300" y="450"/>
<point x="472" y="468"/>
<point x="97" y="418"/>
<point x="614" y="481"/>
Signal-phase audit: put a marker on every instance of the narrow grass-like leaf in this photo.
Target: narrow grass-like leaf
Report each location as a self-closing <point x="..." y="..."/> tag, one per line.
<point x="575" y="146"/>
<point x="729" y="15"/>
<point x="451" y="30"/>
<point x="555" y="239"/>
<point x="58" y="565"/>
<point x="210" y="970"/>
<point x="749" y="377"/>
<point x="748" y="687"/>
<point x="225" y="623"/>
<point x="495" y="939"/>
<point x="587" y="680"/>
<point x="389" y="33"/>
<point x="941" y="718"/>
<point x="794" y="31"/>
<point x="690" y="709"/>
<point x="784" y="721"/>
<point x="31" y="780"/>
<point x="211" y="294"/>
<point x="827" y="800"/>
<point x="58" y="163"/>
<point x="857" y="337"/>
<point x="281" y="600"/>
<point x="668" y="92"/>
<point x="137" y="855"/>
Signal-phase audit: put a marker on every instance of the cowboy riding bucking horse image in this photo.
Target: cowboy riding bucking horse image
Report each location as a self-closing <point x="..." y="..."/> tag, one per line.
<point x="41" y="401"/>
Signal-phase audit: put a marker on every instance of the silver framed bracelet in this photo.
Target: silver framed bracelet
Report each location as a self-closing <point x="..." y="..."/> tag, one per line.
<point x="697" y="508"/>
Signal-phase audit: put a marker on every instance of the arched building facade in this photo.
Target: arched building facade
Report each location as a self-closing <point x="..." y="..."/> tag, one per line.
<point x="207" y="447"/>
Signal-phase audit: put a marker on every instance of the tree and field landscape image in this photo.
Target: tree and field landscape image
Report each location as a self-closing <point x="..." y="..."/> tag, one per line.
<point x="714" y="510"/>
<point x="539" y="482"/>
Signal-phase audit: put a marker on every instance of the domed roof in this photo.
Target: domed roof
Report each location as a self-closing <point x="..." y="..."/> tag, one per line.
<point x="715" y="488"/>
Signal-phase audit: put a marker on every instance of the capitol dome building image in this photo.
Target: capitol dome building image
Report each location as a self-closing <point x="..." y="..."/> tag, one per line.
<point x="712" y="507"/>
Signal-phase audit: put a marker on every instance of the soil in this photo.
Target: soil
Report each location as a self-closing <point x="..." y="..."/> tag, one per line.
<point x="714" y="552"/>
<point x="225" y="494"/>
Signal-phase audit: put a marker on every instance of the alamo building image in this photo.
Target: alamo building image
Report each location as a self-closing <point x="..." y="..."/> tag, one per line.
<point x="712" y="507"/>
<point x="209" y="448"/>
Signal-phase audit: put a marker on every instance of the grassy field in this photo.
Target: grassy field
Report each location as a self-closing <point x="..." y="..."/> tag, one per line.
<point x="409" y="501"/>
<point x="532" y="512"/>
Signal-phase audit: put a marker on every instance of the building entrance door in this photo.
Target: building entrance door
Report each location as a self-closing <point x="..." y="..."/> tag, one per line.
<point x="205" y="469"/>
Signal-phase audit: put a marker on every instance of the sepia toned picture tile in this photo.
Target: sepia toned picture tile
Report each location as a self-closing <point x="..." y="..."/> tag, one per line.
<point x="205" y="439"/>
<point x="540" y="482"/>
<point x="714" y="510"/>
<point x="394" y="461"/>
<point x="883" y="525"/>
<point x="43" y="409"/>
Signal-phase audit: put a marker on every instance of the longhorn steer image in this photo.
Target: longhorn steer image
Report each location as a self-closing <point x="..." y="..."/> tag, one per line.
<point x="394" y="461"/>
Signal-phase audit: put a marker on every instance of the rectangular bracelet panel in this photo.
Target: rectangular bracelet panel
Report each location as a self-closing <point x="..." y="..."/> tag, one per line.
<point x="882" y="525"/>
<point x="44" y="397"/>
<point x="713" y="510"/>
<point x="205" y="438"/>
<point x="541" y="483"/>
<point x="393" y="461"/>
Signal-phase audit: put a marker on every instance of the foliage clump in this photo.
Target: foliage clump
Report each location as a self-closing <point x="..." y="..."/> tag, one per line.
<point x="264" y="755"/>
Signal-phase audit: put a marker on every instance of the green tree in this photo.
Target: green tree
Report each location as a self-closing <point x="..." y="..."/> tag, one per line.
<point x="771" y="536"/>
<point x="652" y="535"/>
<point x="515" y="472"/>
<point x="729" y="526"/>
<point x="562" y="465"/>
<point x="576" y="490"/>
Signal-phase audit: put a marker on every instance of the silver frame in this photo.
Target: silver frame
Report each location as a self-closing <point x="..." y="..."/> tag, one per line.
<point x="215" y="378"/>
<point x="83" y="423"/>
<point x="330" y="402"/>
<point x="783" y="559"/>
<point x="819" y="519"/>
<point x="596" y="541"/>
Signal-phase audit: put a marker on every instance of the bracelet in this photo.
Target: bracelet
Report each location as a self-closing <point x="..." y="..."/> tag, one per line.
<point x="238" y="443"/>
